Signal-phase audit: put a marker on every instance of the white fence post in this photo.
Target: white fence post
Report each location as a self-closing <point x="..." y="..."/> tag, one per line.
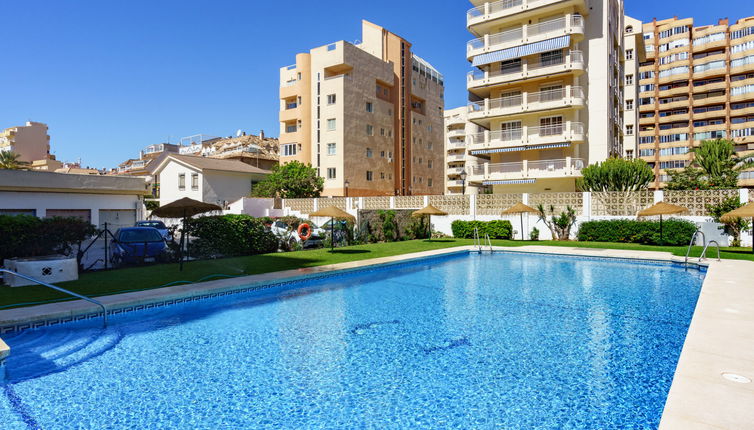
<point x="525" y="198"/>
<point x="743" y="196"/>
<point x="472" y="206"/>
<point x="659" y="195"/>
<point x="587" y="205"/>
<point x="316" y="204"/>
<point x="392" y="202"/>
<point x="426" y="201"/>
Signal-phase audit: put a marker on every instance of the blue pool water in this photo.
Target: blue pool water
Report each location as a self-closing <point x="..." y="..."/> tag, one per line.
<point x="467" y="341"/>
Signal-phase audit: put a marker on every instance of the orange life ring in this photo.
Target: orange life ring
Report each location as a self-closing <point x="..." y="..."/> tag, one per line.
<point x="304" y="232"/>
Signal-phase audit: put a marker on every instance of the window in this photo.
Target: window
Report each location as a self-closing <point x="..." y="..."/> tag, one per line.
<point x="369" y="152"/>
<point x="289" y="149"/>
<point x="644" y="88"/>
<point x="629" y="129"/>
<point x="674" y="71"/>
<point x="629" y="105"/>
<point x="291" y="128"/>
<point x="429" y="164"/>
<point x="331" y="124"/>
<point x="647" y="139"/>
<point x="382" y="175"/>
<point x="549" y="126"/>
<point x="742" y="47"/>
<point x="511" y="66"/>
<point x="674" y="151"/>
<point x="370" y="107"/>
<point x="370" y="130"/>
<point x="675" y="164"/>
<point x="709" y="38"/>
<point x="629" y="79"/>
<point x="194" y="181"/>
<point x="629" y="54"/>
<point x="646" y="153"/>
<point x="331" y="173"/>
<point x="331" y="149"/>
<point x="552" y="57"/>
<point x="429" y="182"/>
<point x="331" y="99"/>
<point x="709" y="66"/>
<point x="382" y="154"/>
<point x="647" y="75"/>
<point x="741" y="33"/>
<point x="382" y="131"/>
<point x="181" y="181"/>
<point x="370" y="175"/>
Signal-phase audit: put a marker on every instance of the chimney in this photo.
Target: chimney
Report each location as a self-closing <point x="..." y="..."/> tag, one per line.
<point x="261" y="134"/>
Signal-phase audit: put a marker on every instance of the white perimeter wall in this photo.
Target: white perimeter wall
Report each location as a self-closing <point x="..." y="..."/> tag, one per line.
<point x="40" y="202"/>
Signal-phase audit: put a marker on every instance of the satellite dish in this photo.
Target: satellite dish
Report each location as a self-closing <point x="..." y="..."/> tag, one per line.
<point x="239" y="133"/>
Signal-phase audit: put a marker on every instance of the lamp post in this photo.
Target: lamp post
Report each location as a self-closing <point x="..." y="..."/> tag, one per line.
<point x="463" y="181"/>
<point x="346" y="184"/>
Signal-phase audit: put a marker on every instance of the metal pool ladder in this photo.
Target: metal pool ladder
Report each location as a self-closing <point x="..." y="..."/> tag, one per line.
<point x="62" y="290"/>
<point x="704" y="251"/>
<point x="488" y="241"/>
<point x="691" y="243"/>
<point x="477" y="241"/>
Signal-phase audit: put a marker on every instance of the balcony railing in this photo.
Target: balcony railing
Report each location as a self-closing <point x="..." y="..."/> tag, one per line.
<point x="528" y="101"/>
<point x="455" y="183"/>
<point x="568" y="131"/>
<point x="456" y="144"/>
<point x="524" y="34"/>
<point x="457" y="157"/>
<point x="525" y="69"/>
<point x="527" y="169"/>
<point x="489" y="10"/>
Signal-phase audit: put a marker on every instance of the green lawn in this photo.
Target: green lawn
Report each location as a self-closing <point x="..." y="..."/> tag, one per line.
<point x="147" y="277"/>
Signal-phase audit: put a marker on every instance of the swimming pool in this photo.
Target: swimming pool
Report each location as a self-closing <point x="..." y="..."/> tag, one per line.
<point x="462" y="341"/>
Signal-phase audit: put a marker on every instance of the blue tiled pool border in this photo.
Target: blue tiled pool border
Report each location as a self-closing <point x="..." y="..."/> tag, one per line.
<point x="263" y="285"/>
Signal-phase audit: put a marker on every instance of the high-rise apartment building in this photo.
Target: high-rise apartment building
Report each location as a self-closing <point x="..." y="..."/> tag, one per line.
<point x="633" y="48"/>
<point x="546" y="86"/>
<point x="697" y="83"/>
<point x="368" y="116"/>
<point x="457" y="159"/>
<point x="31" y="141"/>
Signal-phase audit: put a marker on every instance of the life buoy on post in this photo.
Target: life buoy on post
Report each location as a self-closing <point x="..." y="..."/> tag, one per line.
<point x="304" y="232"/>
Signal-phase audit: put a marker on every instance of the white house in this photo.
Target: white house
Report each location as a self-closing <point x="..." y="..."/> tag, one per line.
<point x="99" y="199"/>
<point x="210" y="180"/>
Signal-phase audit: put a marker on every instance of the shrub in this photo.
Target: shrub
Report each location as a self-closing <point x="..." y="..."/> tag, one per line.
<point x="389" y="227"/>
<point x="674" y="231"/>
<point x="497" y="229"/>
<point x="534" y="234"/>
<point x="151" y="204"/>
<point x="29" y="236"/>
<point x="229" y="235"/>
<point x="559" y="225"/>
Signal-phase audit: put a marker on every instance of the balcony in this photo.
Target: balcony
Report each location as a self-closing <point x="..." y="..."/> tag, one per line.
<point x="527" y="102"/>
<point x="569" y="24"/>
<point x="453" y="171"/>
<point x="455" y="157"/>
<point x="291" y="114"/>
<point x="558" y="168"/>
<point x="455" y="183"/>
<point x="458" y="132"/>
<point x="480" y="18"/>
<point x="527" y="136"/>
<point x="456" y="144"/>
<point x="573" y="61"/>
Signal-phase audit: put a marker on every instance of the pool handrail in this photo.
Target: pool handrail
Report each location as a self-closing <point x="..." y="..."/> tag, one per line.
<point x="691" y="243"/>
<point x="704" y="251"/>
<point x="62" y="290"/>
<point x="487" y="241"/>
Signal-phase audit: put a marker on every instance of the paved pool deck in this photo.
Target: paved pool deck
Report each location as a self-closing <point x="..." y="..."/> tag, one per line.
<point x="718" y="350"/>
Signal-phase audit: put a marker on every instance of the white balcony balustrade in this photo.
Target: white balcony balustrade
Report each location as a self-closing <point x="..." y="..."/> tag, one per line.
<point x="527" y="102"/>
<point x="530" y="33"/>
<point x="455" y="157"/>
<point x="526" y="169"/>
<point x="572" y="60"/>
<point x="499" y="9"/>
<point x="528" y="135"/>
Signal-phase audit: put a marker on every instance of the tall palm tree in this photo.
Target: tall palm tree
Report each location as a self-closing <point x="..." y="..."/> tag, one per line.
<point x="10" y="160"/>
<point x="719" y="161"/>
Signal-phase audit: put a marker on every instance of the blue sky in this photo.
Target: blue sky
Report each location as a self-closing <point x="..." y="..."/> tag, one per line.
<point x="112" y="77"/>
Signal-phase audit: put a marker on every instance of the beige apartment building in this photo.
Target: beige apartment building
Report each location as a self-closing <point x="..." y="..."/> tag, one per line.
<point x="546" y="87"/>
<point x="457" y="159"/>
<point x="368" y="116"/>
<point x="31" y="141"/>
<point x="633" y="48"/>
<point x="697" y="83"/>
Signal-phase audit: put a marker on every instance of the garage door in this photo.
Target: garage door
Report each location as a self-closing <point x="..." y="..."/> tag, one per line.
<point x="117" y="218"/>
<point x="84" y="214"/>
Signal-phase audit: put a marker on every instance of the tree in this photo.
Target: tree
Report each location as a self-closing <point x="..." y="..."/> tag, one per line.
<point x="10" y="160"/>
<point x="731" y="228"/>
<point x="560" y="225"/>
<point x="715" y="166"/>
<point x="616" y="178"/>
<point x="290" y="181"/>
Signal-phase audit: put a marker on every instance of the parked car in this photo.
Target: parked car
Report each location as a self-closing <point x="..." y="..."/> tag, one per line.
<point x="138" y="245"/>
<point x="290" y="235"/>
<point x="159" y="225"/>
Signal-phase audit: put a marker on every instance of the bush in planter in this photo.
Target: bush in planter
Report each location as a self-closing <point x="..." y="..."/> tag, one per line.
<point x="534" y="234"/>
<point x="229" y="235"/>
<point x="28" y="236"/>
<point x="497" y="229"/>
<point x="675" y="232"/>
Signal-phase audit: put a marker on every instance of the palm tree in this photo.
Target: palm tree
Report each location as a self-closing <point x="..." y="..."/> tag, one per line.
<point x="716" y="166"/>
<point x="10" y="160"/>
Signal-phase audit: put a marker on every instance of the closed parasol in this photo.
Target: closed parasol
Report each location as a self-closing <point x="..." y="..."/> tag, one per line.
<point x="333" y="213"/>
<point x="520" y="209"/>
<point x="184" y="208"/>
<point x="745" y="211"/>
<point x="429" y="210"/>
<point x="662" y="208"/>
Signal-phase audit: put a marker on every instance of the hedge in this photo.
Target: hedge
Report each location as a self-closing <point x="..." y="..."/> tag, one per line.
<point x="404" y="226"/>
<point x="28" y="236"/>
<point x="229" y="235"/>
<point x="675" y="232"/>
<point x="498" y="229"/>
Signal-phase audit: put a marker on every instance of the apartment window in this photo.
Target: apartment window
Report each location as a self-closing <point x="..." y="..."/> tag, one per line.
<point x="429" y="164"/>
<point x="331" y="149"/>
<point x="629" y="104"/>
<point x="369" y="152"/>
<point x="647" y="75"/>
<point x="674" y="151"/>
<point x="510" y="66"/>
<point x="551" y="57"/>
<point x="382" y="154"/>
<point x="382" y="175"/>
<point x="674" y="164"/>
<point x="629" y="79"/>
<point x="370" y="107"/>
<point x="742" y="47"/>
<point x="551" y="125"/>
<point x="629" y="54"/>
<point x="629" y="129"/>
<point x="331" y="124"/>
<point x="674" y="138"/>
<point x="741" y="33"/>
<point x="289" y="149"/>
<point x="382" y="131"/>
<point x="181" y="181"/>
<point x="429" y="182"/>
<point x="291" y="128"/>
<point x="709" y="66"/>
<point x="370" y="175"/>
<point x="331" y="99"/>
<point x="370" y="130"/>
<point x="429" y="145"/>
<point x="646" y="153"/>
<point x="194" y="181"/>
<point x="331" y="173"/>
<point x="647" y="139"/>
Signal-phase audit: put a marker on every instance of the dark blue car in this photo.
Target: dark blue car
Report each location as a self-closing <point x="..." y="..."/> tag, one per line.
<point x="138" y="245"/>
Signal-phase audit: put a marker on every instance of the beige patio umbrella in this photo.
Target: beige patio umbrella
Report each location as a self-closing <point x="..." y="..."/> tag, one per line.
<point x="429" y="210"/>
<point x="332" y="212"/>
<point x="184" y="208"/>
<point x="521" y="209"/>
<point x="662" y="208"/>
<point x="745" y="211"/>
